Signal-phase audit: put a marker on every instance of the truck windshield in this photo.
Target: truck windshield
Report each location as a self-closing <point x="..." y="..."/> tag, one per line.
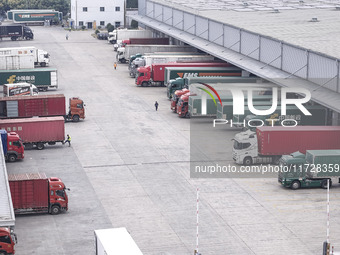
<point x="60" y="193"/>
<point x="240" y="146"/>
<point x="5" y="239"/>
<point x="17" y="143"/>
<point x="140" y="74"/>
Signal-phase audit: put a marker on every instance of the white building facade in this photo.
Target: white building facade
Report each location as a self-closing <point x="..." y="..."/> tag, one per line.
<point x="95" y="13"/>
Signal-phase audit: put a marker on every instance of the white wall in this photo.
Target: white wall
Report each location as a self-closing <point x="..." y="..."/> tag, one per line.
<point x="109" y="15"/>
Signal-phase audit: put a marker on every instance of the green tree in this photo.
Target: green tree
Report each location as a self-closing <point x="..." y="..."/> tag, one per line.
<point x="110" y="27"/>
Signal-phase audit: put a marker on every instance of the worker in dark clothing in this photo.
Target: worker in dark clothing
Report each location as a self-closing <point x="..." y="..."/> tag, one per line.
<point x="156" y="105"/>
<point x="68" y="140"/>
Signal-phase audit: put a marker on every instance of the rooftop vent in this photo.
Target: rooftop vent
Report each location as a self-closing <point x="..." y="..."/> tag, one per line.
<point x="301" y="2"/>
<point x="314" y="20"/>
<point x="245" y="4"/>
<point x="337" y="8"/>
<point x="276" y="10"/>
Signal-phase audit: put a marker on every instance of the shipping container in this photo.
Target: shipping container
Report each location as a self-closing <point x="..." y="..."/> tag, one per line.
<point x="36" y="17"/>
<point x="25" y="106"/>
<point x="42" y="78"/>
<point x="37" y="131"/>
<point x="283" y="140"/>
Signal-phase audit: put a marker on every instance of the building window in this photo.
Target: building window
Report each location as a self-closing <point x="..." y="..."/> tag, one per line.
<point x="117" y="24"/>
<point x="81" y="23"/>
<point x="84" y="9"/>
<point x="117" y="9"/>
<point x="102" y="9"/>
<point x="102" y="23"/>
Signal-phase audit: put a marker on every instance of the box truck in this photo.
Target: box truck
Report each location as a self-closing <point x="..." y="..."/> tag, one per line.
<point x="312" y="169"/>
<point x="12" y="146"/>
<point x="40" y="57"/>
<point x="42" y="106"/>
<point x="123" y="34"/>
<point x="20" y="89"/>
<point x="8" y="238"/>
<point x="36" y="16"/>
<point x="115" y="241"/>
<point x="16" y="32"/>
<point x="35" y="193"/>
<point x="42" y="78"/>
<point x="37" y="131"/>
<point x="268" y="143"/>
<point x="124" y="53"/>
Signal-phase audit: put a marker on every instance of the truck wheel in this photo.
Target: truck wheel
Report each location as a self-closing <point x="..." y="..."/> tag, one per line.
<point x="295" y="185"/>
<point x="44" y="88"/>
<point x="276" y="160"/>
<point x="13" y="38"/>
<point x="248" y="161"/>
<point x="12" y="158"/>
<point x="43" y="64"/>
<point x="40" y="146"/>
<point x="55" y="210"/>
<point x="187" y="115"/>
<point x="75" y="118"/>
<point x="144" y="84"/>
<point x="324" y="184"/>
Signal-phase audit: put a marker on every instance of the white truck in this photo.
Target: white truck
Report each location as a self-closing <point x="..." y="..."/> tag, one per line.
<point x="23" y="58"/>
<point x="20" y="89"/>
<point x="123" y="34"/>
<point x="124" y="53"/>
<point x="115" y="241"/>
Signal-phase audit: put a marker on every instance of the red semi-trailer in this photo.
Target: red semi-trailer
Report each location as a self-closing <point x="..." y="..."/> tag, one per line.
<point x="35" y="193"/>
<point x="144" y="41"/>
<point x="42" y="106"/>
<point x="154" y="74"/>
<point x="269" y="143"/>
<point x="37" y="131"/>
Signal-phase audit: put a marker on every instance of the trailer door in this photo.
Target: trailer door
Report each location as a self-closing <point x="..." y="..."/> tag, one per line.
<point x="12" y="109"/>
<point x="54" y="79"/>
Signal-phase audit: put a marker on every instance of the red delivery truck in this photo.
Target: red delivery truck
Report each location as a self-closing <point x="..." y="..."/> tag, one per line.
<point x="41" y="105"/>
<point x="37" y="131"/>
<point x="269" y="143"/>
<point x="35" y="193"/>
<point x="154" y="74"/>
<point x="12" y="146"/>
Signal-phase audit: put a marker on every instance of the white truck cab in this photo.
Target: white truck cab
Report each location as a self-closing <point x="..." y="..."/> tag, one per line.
<point x="245" y="147"/>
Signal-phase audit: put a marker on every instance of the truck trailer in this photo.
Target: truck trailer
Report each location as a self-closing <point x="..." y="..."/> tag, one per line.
<point x="268" y="143"/>
<point x="36" y="17"/>
<point x="42" y="78"/>
<point x="42" y="106"/>
<point x="16" y="32"/>
<point x="124" y="53"/>
<point x="124" y="34"/>
<point x="115" y="241"/>
<point x="37" y="131"/>
<point x="312" y="169"/>
<point x="154" y="74"/>
<point x="8" y="238"/>
<point x="35" y="193"/>
<point x="13" y="55"/>
<point x="12" y="146"/>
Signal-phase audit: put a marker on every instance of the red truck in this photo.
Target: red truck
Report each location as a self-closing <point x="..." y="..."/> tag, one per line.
<point x="37" y="131"/>
<point x="144" y="41"/>
<point x="12" y="146"/>
<point x="42" y="106"/>
<point x="7" y="241"/>
<point x="177" y="95"/>
<point x="154" y="74"/>
<point x="183" y="105"/>
<point x="35" y="193"/>
<point x="269" y="143"/>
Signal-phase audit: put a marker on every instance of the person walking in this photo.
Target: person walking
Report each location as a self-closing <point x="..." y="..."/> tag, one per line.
<point x="156" y="105"/>
<point x="66" y="36"/>
<point x="115" y="65"/>
<point x="68" y="140"/>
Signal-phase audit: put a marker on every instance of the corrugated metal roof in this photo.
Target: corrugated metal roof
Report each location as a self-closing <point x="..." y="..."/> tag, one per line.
<point x="7" y="218"/>
<point x="319" y="94"/>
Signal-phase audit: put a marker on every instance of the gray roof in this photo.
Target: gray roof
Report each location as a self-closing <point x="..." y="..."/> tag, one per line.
<point x="292" y="23"/>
